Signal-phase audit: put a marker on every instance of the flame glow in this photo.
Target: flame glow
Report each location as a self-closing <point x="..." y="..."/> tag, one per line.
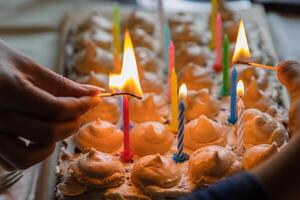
<point x="128" y="80"/>
<point x="241" y="51"/>
<point x="182" y="91"/>
<point x="240" y="88"/>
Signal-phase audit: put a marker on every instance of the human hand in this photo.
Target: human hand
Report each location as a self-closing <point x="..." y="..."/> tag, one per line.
<point x="288" y="73"/>
<point x="38" y="105"/>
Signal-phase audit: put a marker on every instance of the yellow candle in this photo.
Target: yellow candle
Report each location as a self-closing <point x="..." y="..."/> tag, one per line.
<point x="116" y="36"/>
<point x="174" y="101"/>
<point x="213" y="16"/>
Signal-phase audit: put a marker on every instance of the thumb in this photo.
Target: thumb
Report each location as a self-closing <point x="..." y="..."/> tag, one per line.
<point x="288" y="73"/>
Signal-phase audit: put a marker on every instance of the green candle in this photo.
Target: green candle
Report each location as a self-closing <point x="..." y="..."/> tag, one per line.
<point x="225" y="85"/>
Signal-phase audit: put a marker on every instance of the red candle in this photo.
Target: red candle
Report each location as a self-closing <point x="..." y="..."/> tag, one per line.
<point x="126" y="155"/>
<point x="219" y="38"/>
<point x="171" y="66"/>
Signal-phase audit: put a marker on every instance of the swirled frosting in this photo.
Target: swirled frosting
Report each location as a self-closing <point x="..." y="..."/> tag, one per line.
<point x="94" y="59"/>
<point x="261" y="128"/>
<point x="146" y="59"/>
<point x="99" y="134"/>
<point x="141" y="38"/>
<point x="211" y="163"/>
<point x="180" y="18"/>
<point x="142" y="20"/>
<point x="99" y="37"/>
<point x="201" y="103"/>
<point x="107" y="109"/>
<point x="186" y="33"/>
<point x="152" y="172"/>
<point x="150" y="138"/>
<point x="95" y="20"/>
<point x="195" y="77"/>
<point x="151" y="108"/>
<point x="99" y="170"/>
<point x="246" y="74"/>
<point x="189" y="52"/>
<point x="256" y="98"/>
<point x="151" y="83"/>
<point x="202" y="132"/>
<point x="258" y="154"/>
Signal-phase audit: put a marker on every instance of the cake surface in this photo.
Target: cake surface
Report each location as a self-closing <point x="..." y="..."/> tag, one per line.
<point x="89" y="166"/>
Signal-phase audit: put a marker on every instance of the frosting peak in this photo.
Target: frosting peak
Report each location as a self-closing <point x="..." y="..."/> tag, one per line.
<point x="101" y="135"/>
<point x="208" y="164"/>
<point x="99" y="170"/>
<point x="203" y="131"/>
<point x="151" y="108"/>
<point x="201" y="103"/>
<point x="155" y="170"/>
<point x="261" y="128"/>
<point x="150" y="138"/>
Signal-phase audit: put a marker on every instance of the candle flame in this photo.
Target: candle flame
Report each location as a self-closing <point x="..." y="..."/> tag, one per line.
<point x="241" y="50"/>
<point x="128" y="80"/>
<point x="182" y="91"/>
<point x="240" y="88"/>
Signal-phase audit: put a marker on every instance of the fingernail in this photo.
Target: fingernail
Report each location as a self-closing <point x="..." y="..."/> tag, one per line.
<point x="93" y="89"/>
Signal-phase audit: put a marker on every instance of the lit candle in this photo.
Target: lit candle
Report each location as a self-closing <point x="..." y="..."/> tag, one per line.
<point x="167" y="38"/>
<point x="240" y="122"/>
<point x="213" y="15"/>
<point x="171" y="67"/>
<point x="219" y="38"/>
<point x="116" y="37"/>
<point x="127" y="81"/>
<point x="225" y="85"/>
<point x="174" y="101"/>
<point x="180" y="156"/>
<point x="232" y="118"/>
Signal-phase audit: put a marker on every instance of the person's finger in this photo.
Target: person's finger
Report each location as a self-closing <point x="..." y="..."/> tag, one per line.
<point x="54" y="83"/>
<point x="37" y="130"/>
<point x="21" y="156"/>
<point x="25" y="97"/>
<point x="288" y="73"/>
<point x="5" y="165"/>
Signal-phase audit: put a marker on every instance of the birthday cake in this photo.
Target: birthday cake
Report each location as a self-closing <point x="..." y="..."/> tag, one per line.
<point x="89" y="165"/>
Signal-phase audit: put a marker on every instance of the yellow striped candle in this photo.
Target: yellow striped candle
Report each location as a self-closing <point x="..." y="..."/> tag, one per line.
<point x="213" y="16"/>
<point x="174" y="101"/>
<point x="116" y="35"/>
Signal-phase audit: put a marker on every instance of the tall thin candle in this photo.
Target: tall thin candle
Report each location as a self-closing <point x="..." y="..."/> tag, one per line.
<point x="240" y="122"/>
<point x="174" y="101"/>
<point x="225" y="85"/>
<point x="126" y="155"/>
<point x="116" y="37"/>
<point x="180" y="156"/>
<point x="233" y="118"/>
<point x="219" y="41"/>
<point x="171" y="66"/>
<point x="167" y="38"/>
<point x="213" y="15"/>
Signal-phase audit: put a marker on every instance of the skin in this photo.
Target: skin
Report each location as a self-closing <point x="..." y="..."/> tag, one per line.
<point x="38" y="105"/>
<point x="280" y="174"/>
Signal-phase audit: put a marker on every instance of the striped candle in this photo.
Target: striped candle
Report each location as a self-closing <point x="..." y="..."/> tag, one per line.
<point x="240" y="122"/>
<point x="180" y="156"/>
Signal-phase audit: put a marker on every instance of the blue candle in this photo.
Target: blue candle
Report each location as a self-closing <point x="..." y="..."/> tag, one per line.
<point x="167" y="39"/>
<point x="180" y="156"/>
<point x="233" y="116"/>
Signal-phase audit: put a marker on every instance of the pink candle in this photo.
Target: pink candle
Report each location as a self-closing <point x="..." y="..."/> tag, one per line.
<point x="126" y="155"/>
<point x="219" y="38"/>
<point x="171" y="66"/>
